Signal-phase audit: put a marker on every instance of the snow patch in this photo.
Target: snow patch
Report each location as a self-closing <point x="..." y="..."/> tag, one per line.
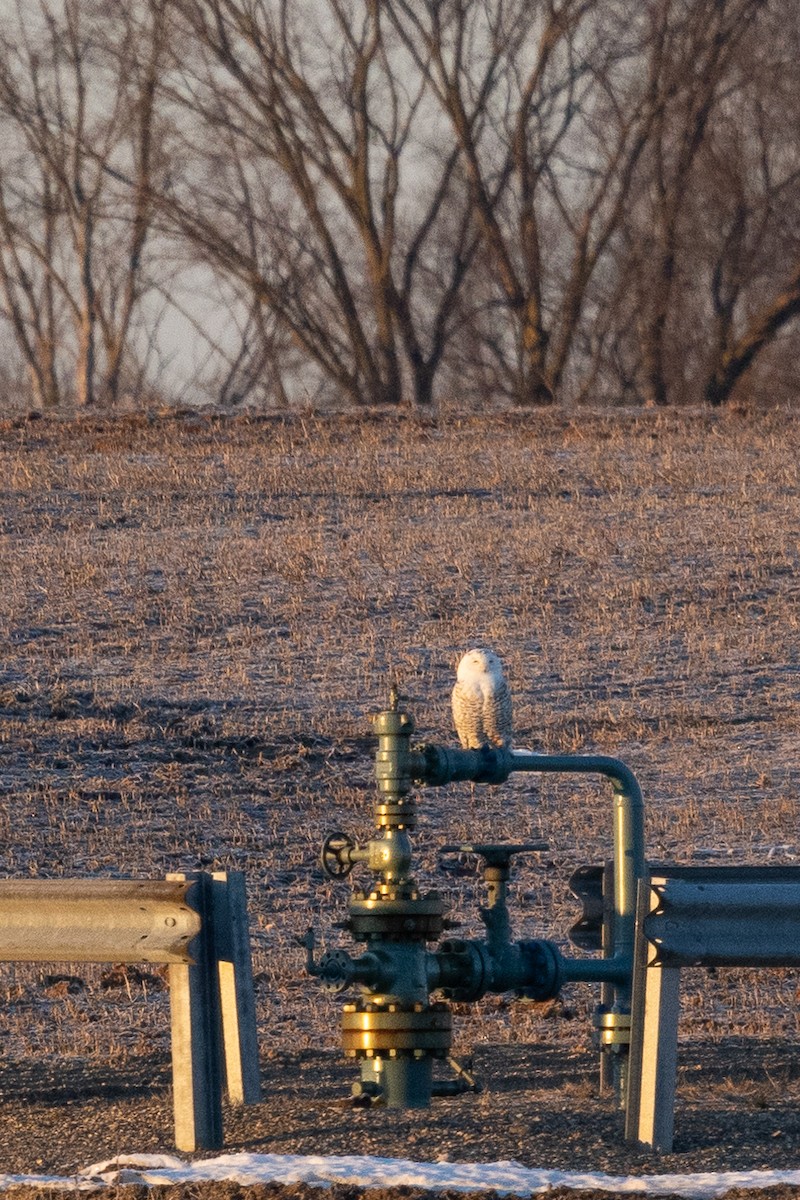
<point x="509" y="1178"/>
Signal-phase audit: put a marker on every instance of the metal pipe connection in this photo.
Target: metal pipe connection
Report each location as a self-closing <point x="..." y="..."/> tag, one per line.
<point x="395" y="1030"/>
<point x="435" y="765"/>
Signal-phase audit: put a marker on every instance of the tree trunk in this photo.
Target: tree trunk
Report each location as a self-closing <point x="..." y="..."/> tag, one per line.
<point x="85" y="369"/>
<point x="390" y="385"/>
<point x="423" y="383"/>
<point x="44" y="382"/>
<point x="535" y="385"/>
<point x="734" y="363"/>
<point x="654" y="385"/>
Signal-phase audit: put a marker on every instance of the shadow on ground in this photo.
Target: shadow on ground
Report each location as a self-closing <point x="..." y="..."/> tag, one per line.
<point x="737" y="1110"/>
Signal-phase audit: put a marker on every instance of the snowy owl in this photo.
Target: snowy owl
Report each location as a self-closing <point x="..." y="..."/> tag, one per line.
<point x="482" y="701"/>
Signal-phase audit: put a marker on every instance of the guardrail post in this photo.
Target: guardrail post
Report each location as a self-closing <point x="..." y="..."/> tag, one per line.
<point x="196" y="1030"/>
<point x="655" y="1007"/>
<point x="237" y="999"/>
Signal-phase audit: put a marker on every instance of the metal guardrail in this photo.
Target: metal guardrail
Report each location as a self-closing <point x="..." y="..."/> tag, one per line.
<point x="197" y="924"/>
<point x="686" y="917"/>
<point x="96" y="920"/>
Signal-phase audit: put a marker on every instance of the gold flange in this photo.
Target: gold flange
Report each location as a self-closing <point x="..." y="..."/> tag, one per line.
<point x="381" y="1031"/>
<point x="613" y="1029"/>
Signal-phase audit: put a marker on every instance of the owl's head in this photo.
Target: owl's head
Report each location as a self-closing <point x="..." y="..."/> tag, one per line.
<point x="479" y="662"/>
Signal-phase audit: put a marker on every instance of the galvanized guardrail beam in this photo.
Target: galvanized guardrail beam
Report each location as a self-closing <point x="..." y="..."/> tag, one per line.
<point x="96" y="920"/>
<point x="696" y="916"/>
<point x="197" y="924"/>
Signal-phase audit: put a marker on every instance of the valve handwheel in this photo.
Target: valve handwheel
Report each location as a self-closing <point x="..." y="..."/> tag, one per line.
<point x="335" y="855"/>
<point x="495" y="854"/>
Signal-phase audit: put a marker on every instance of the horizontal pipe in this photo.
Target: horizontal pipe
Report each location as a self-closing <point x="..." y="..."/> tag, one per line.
<point x="616" y="970"/>
<point x="439" y="765"/>
<point x="96" y="920"/>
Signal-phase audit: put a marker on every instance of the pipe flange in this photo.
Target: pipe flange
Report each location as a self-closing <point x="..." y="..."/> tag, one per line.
<point x="396" y="1030"/>
<point x="395" y="917"/>
<point x="335" y="970"/>
<point x="465" y="968"/>
<point x="544" y="970"/>
<point x="612" y="1029"/>
<point x="397" y="813"/>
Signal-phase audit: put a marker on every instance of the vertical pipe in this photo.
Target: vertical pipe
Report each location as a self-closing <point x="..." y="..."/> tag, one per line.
<point x="629" y="866"/>
<point x="607" y="989"/>
<point x="628" y="827"/>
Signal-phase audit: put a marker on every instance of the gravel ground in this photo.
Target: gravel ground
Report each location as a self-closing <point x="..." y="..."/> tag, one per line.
<point x="198" y="617"/>
<point x="738" y="1109"/>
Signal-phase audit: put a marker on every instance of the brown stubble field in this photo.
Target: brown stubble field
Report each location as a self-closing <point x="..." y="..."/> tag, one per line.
<point x="198" y="616"/>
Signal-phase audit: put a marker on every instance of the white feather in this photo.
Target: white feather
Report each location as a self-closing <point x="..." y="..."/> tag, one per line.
<point x="482" y="702"/>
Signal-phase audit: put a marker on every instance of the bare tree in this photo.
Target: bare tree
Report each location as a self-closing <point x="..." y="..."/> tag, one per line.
<point x="747" y="206"/>
<point x="318" y="178"/>
<point x="551" y="119"/>
<point x="241" y="354"/>
<point x="690" y="55"/>
<point x="27" y="229"/>
<point x="77" y="118"/>
<point x="525" y="199"/>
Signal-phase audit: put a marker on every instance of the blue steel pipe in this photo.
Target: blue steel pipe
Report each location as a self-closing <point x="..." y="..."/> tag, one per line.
<point x="628" y="838"/>
<point x="438" y="765"/>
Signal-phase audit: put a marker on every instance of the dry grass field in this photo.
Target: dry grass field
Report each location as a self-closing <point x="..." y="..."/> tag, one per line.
<point x="198" y="616"/>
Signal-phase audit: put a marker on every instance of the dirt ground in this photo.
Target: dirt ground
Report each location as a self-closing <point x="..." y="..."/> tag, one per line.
<point x="739" y="1109"/>
<point x="198" y="616"/>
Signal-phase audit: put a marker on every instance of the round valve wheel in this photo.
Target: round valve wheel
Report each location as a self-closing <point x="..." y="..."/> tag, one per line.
<point x="495" y="854"/>
<point x="333" y="857"/>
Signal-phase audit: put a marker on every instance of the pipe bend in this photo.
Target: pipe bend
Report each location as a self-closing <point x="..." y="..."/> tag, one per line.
<point x="614" y="769"/>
